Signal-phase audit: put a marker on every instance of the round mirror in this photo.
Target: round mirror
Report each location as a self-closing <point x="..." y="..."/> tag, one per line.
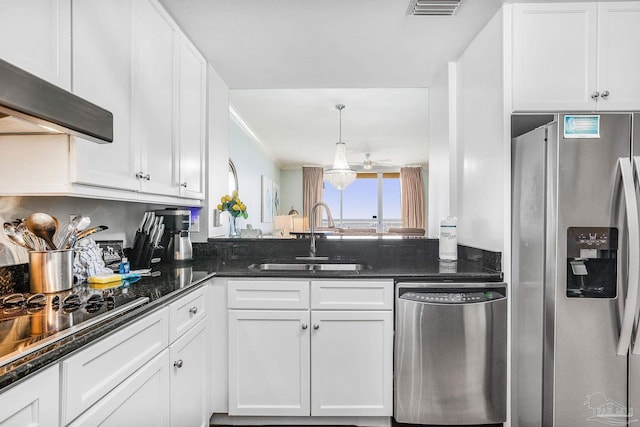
<point x="233" y="177"/>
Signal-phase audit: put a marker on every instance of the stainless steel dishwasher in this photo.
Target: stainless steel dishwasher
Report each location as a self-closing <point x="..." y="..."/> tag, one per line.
<point x="450" y="353"/>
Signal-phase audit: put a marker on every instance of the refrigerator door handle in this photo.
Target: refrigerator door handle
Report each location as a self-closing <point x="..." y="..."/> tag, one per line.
<point x="635" y="261"/>
<point x="631" y="209"/>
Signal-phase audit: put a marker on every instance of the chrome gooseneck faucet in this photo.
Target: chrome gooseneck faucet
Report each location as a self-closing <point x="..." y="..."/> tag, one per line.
<point x="312" y="220"/>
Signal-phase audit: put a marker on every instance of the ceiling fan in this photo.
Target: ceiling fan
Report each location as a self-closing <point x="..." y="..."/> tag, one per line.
<point x="368" y="164"/>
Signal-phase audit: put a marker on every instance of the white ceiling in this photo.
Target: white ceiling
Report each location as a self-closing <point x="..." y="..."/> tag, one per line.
<point x="288" y="62"/>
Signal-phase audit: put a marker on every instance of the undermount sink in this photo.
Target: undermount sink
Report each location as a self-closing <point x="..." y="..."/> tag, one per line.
<point x="329" y="266"/>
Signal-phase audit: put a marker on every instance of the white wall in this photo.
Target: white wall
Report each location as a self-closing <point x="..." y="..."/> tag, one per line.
<point x="251" y="162"/>
<point x="291" y="190"/>
<point x="480" y="159"/>
<point x="438" y="172"/>
<point x="217" y="155"/>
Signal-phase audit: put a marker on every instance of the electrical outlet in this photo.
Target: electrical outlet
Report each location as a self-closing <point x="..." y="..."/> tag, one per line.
<point x="195" y="223"/>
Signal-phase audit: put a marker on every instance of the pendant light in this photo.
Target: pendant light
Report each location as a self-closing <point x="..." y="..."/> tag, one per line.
<point x="340" y="175"/>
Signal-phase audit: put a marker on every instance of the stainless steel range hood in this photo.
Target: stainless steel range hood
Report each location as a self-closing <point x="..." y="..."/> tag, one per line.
<point x="31" y="105"/>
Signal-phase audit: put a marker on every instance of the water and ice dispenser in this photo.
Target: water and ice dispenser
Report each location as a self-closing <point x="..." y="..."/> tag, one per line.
<point x="592" y="262"/>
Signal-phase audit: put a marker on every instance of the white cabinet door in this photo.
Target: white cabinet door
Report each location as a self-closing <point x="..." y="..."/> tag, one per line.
<point x="153" y="114"/>
<point x="269" y="362"/>
<point x="191" y="119"/>
<point x="619" y="55"/>
<point x="32" y="403"/>
<point x="351" y="363"/>
<point x="36" y="36"/>
<point x="189" y="378"/>
<point x="554" y="56"/>
<point x="141" y="400"/>
<point x="102" y="67"/>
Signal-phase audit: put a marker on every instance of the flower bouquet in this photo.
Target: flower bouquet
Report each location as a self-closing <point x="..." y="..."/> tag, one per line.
<point x="236" y="208"/>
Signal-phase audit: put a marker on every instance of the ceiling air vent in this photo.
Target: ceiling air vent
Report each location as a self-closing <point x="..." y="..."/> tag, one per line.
<point x="433" y="7"/>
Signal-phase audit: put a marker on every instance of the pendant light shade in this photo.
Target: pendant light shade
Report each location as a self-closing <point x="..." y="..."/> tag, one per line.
<point x="340" y="175"/>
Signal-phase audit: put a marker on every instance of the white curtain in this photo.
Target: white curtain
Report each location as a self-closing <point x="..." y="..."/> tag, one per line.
<point x="311" y="193"/>
<point x="412" y="197"/>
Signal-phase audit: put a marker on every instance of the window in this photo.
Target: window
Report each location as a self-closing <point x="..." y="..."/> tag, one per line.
<point x="371" y="201"/>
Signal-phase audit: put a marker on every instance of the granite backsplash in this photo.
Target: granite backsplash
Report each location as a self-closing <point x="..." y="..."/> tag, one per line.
<point x="381" y="251"/>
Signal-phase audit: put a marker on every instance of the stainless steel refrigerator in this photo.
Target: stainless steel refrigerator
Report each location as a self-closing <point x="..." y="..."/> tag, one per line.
<point x="576" y="260"/>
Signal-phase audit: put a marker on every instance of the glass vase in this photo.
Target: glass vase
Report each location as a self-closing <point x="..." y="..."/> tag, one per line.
<point x="233" y="231"/>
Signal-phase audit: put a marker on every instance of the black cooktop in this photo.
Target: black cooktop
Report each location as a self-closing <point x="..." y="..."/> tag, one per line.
<point x="30" y="321"/>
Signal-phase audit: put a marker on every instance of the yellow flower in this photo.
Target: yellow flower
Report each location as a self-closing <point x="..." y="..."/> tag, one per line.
<point x="223" y="199"/>
<point x="220" y="207"/>
<point x="227" y="198"/>
<point x="236" y="208"/>
<point x="235" y="193"/>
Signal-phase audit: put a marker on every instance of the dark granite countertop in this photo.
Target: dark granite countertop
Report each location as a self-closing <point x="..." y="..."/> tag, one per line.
<point x="406" y="259"/>
<point x="171" y="283"/>
<point x="431" y="270"/>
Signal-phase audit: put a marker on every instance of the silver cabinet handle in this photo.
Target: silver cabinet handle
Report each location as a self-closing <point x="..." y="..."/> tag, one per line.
<point x="178" y="363"/>
<point x="595" y="95"/>
<point x="141" y="175"/>
<point x="305" y="326"/>
<point x="316" y="326"/>
<point x="184" y="184"/>
<point x="604" y="94"/>
<point x="193" y="310"/>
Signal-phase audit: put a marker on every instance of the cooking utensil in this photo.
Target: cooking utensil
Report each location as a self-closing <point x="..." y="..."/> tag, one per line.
<point x="43" y="226"/>
<point x="66" y="239"/>
<point x="12" y="234"/>
<point x="29" y="238"/>
<point x="90" y="231"/>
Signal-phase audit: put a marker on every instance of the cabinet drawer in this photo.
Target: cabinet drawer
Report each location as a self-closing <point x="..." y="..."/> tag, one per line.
<point x="267" y="294"/>
<point x="95" y="371"/>
<point x="141" y="400"/>
<point x="352" y="294"/>
<point x="186" y="312"/>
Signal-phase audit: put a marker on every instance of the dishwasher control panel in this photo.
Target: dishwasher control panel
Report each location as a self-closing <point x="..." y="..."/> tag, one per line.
<point x="461" y="297"/>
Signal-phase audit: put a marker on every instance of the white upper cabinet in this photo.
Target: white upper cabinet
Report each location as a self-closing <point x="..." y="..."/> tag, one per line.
<point x="619" y="56"/>
<point x="191" y="119"/>
<point x="130" y="58"/>
<point x="102" y="74"/>
<point x="575" y="56"/>
<point x="36" y="37"/>
<point x="554" y="56"/>
<point x="153" y="101"/>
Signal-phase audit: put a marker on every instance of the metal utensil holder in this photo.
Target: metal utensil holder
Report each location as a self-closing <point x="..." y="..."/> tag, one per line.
<point x="51" y="271"/>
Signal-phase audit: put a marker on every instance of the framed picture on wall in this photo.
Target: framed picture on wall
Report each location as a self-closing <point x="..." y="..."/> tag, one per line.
<point x="276" y="199"/>
<point x="267" y="199"/>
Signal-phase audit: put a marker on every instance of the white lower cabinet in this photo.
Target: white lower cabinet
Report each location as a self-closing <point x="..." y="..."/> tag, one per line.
<point x="189" y="379"/>
<point x="91" y="374"/>
<point x="351" y="363"/>
<point x="32" y="403"/>
<point x="138" y="376"/>
<point x="141" y="400"/>
<point x="269" y="362"/>
<point x="300" y="360"/>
